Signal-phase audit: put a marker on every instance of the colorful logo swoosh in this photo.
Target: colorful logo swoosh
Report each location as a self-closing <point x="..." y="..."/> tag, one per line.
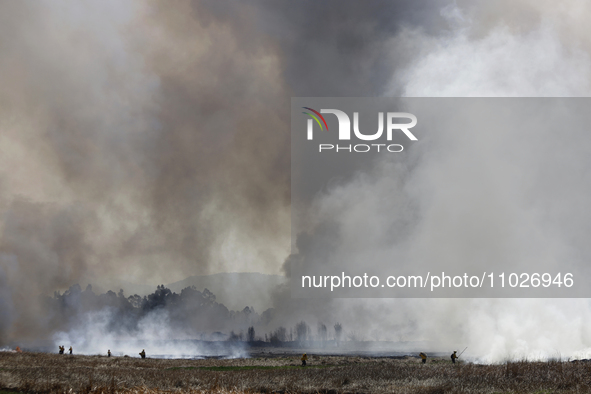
<point x="316" y="118"/>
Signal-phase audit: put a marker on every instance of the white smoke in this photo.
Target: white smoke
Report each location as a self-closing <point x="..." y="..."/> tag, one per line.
<point x="155" y="334"/>
<point x="501" y="64"/>
<point x="547" y="58"/>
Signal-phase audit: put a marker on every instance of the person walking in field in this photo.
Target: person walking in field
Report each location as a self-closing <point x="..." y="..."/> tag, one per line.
<point x="454" y="356"/>
<point x="109" y="353"/>
<point x="143" y="353"/>
<point x="304" y="359"/>
<point x="423" y="357"/>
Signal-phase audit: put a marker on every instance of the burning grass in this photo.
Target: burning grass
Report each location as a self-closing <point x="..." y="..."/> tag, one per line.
<point x="52" y="373"/>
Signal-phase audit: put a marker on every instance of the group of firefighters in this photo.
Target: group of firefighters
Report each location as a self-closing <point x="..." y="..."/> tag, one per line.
<point x="453" y="356"/>
<point x="63" y="349"/>
<point x="304" y="358"/>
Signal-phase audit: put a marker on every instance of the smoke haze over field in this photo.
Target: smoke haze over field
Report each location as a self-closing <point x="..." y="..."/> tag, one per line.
<point x="149" y="141"/>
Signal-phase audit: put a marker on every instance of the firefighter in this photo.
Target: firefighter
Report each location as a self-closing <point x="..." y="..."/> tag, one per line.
<point x="454" y="356"/>
<point x="62" y="349"/>
<point x="304" y="358"/>
<point x="143" y="353"/>
<point x="109" y="353"/>
<point x="71" y="350"/>
<point x="423" y="357"/>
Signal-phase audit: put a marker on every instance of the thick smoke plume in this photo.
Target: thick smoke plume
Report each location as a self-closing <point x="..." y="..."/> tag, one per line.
<point x="146" y="142"/>
<point x="140" y="142"/>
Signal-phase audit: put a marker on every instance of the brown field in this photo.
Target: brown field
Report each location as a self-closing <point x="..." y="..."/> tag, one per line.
<point x="52" y="373"/>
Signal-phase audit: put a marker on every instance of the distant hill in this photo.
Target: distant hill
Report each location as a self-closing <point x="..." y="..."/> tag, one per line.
<point x="235" y="290"/>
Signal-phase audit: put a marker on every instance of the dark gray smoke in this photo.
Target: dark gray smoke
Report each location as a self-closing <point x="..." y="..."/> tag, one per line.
<point x="344" y="48"/>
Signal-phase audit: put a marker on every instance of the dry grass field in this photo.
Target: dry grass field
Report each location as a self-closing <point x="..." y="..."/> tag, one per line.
<point x="52" y="373"/>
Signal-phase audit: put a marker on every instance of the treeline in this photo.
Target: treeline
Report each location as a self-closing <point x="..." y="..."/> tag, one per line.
<point x="192" y="313"/>
<point x="301" y="334"/>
